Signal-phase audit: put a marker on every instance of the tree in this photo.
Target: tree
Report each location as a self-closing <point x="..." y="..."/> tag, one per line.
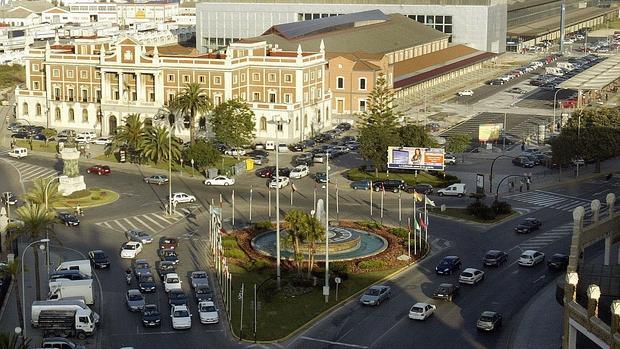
<point x="416" y="136"/>
<point x="154" y="145"/>
<point x="13" y="341"/>
<point x="48" y="133"/>
<point x="204" y="154"/>
<point x="378" y="125"/>
<point x="128" y="135"/>
<point x="458" y="143"/>
<point x="12" y="270"/>
<point x="314" y="232"/>
<point x="233" y="123"/>
<point x="37" y="224"/>
<point x="294" y="225"/>
<point x="192" y="102"/>
<point x="36" y="195"/>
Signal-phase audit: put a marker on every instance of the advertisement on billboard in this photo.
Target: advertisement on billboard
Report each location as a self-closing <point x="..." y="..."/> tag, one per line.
<point x="489" y="132"/>
<point x="410" y="158"/>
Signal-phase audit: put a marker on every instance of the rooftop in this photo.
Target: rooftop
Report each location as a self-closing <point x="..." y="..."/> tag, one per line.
<point x="542" y="26"/>
<point x="596" y="77"/>
<point x="363" y="2"/>
<point x="36" y="6"/>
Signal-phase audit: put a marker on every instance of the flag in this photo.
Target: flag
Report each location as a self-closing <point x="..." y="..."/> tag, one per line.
<point x="428" y="201"/>
<point x="417" y="196"/>
<point x="416" y="225"/>
<point x="423" y="223"/>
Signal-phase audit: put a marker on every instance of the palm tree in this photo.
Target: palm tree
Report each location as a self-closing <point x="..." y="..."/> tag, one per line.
<point x="314" y="233"/>
<point x="154" y="145"/>
<point x="294" y="221"/>
<point x="192" y="102"/>
<point x="128" y="135"/>
<point x="12" y="269"/>
<point x="37" y="224"/>
<point x="36" y="195"/>
<point x="13" y="341"/>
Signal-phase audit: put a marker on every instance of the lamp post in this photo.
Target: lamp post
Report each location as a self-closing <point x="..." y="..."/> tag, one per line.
<point x="555" y="95"/>
<point x="181" y="160"/>
<point x="23" y="288"/>
<point x="192" y="161"/>
<point x="278" y="121"/>
<point x="100" y="121"/>
<point x="47" y="251"/>
<point x="491" y="174"/>
<point x="326" y="287"/>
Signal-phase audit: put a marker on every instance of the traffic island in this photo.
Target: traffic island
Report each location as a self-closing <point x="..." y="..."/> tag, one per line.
<point x="478" y="212"/>
<point x="300" y="300"/>
<point x="90" y="197"/>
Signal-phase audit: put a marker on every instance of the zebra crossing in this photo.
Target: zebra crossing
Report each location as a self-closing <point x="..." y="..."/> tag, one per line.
<point x="547" y="238"/>
<point x="29" y="172"/>
<point x="556" y="201"/>
<point x="149" y="222"/>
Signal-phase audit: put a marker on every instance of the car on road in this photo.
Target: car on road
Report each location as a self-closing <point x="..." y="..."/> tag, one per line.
<point x="208" y="313"/>
<point x="496" y="82"/>
<point x="558" y="261"/>
<point x="146" y="283"/>
<point x="199" y="278"/>
<point x="495" y="258"/>
<point x="182" y="198"/>
<point x="471" y="276"/>
<point x="105" y="140"/>
<point x="530" y="258"/>
<point x="131" y="249"/>
<point x="361" y="185"/>
<point x="448" y="265"/>
<point x="181" y="317"/>
<point x="489" y="321"/>
<point x="299" y="172"/>
<point x="449" y="159"/>
<point x="68" y="219"/>
<point x="320" y="177"/>
<point x="421" y="311"/>
<point x="374" y="295"/>
<point x="345" y="126"/>
<point x="422" y="188"/>
<point x="446" y="291"/>
<point x="319" y="157"/>
<point x="260" y="159"/>
<point x="99" y="259"/>
<point x="523" y="161"/>
<point x="517" y="90"/>
<point x="151" y="317"/>
<point x="220" y="180"/>
<point x="156" y="179"/>
<point x="60" y="342"/>
<point x="168" y="243"/>
<point x="456" y="189"/>
<point x="528" y="225"/>
<point x="172" y="282"/>
<point x="465" y="93"/>
<point x="99" y="170"/>
<point x="393" y="185"/>
<point x="279" y="182"/>
<point x="135" y="300"/>
<point x="176" y="296"/>
<point x="138" y="235"/>
<point x="164" y="268"/>
<point x="203" y="293"/>
<point x="141" y="266"/>
<point x="9" y="198"/>
<point x="168" y="255"/>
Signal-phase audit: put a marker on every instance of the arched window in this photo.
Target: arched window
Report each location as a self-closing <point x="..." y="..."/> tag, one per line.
<point x="327" y="113"/>
<point x="84" y="115"/>
<point x="38" y="109"/>
<point x="263" y="124"/>
<point x="25" y="109"/>
<point x="305" y="120"/>
<point x="58" y="116"/>
<point x="318" y="116"/>
<point x="297" y="123"/>
<point x="71" y="115"/>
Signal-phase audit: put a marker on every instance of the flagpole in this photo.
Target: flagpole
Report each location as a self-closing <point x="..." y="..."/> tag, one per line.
<point x="415" y="227"/>
<point x="425" y="222"/>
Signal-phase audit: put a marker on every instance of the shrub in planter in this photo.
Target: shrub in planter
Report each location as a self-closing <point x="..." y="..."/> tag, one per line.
<point x="400" y="232"/>
<point x="340" y="270"/>
<point x="371" y="264"/>
<point x="256" y="265"/>
<point x="501" y="207"/>
<point x="479" y="210"/>
<point x="229" y="242"/>
<point x="263" y="225"/>
<point x="234" y="253"/>
<point x="370" y="224"/>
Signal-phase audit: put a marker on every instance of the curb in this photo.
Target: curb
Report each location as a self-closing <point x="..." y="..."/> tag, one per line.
<point x="6" y="299"/>
<point x="118" y="196"/>
<point x="486" y="225"/>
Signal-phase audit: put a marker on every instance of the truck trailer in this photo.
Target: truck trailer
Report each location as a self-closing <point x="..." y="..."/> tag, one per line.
<point x="63" y="288"/>
<point x="63" y="304"/>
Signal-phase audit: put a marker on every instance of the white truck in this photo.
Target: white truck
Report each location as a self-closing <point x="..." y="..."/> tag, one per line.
<point x="64" y="318"/>
<point x="82" y="265"/>
<point x="63" y="288"/>
<point x="554" y="71"/>
<point x="565" y="65"/>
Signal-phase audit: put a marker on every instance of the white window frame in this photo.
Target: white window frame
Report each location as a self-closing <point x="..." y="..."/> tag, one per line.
<point x="217" y="80"/>
<point x="359" y="105"/>
<point x="359" y="84"/>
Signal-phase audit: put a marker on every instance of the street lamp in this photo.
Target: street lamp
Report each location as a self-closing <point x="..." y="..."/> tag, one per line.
<point x="278" y="121"/>
<point x="555" y="95"/>
<point x="23" y="288"/>
<point x="47" y="252"/>
<point x="192" y="161"/>
<point x="326" y="287"/>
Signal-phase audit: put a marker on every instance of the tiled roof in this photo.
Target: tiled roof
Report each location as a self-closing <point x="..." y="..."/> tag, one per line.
<point x="36" y="6"/>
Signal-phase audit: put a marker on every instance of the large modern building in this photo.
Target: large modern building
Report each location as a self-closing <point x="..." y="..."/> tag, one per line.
<point x="480" y="24"/>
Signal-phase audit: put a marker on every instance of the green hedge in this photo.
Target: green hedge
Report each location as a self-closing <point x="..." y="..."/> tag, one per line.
<point x="234" y="253"/>
<point x="371" y="264"/>
<point x="434" y="178"/>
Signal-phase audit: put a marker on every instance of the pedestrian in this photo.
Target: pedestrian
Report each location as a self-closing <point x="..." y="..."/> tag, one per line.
<point x="521" y="186"/>
<point x="174" y="206"/>
<point x="13" y="144"/>
<point x="523" y="146"/>
<point x="511" y="186"/>
<point x="527" y="183"/>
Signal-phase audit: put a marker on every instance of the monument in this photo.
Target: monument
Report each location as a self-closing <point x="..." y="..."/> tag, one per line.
<point x="71" y="180"/>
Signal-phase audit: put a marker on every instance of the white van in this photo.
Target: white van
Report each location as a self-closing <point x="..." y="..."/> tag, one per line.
<point x="456" y="189"/>
<point x="18" y="153"/>
<point x="270" y="145"/>
<point x="282" y="148"/>
<point x="82" y="265"/>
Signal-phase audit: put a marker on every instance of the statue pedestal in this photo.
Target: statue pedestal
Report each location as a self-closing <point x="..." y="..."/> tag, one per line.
<point x="71" y="180"/>
<point x="69" y="185"/>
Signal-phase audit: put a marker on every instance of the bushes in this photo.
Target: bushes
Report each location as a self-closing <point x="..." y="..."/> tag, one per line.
<point x="234" y="253"/>
<point x="79" y="194"/>
<point x="340" y="270"/>
<point x="501" y="207"/>
<point x="263" y="225"/>
<point x="256" y="265"/>
<point x="370" y="224"/>
<point x="229" y="242"/>
<point x="480" y="210"/>
<point x="400" y="232"/>
<point x="371" y="264"/>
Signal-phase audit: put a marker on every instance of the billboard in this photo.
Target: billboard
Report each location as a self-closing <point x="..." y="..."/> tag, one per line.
<point x="411" y="158"/>
<point x="489" y="132"/>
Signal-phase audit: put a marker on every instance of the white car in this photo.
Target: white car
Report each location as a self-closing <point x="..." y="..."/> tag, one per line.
<point x="449" y="159"/>
<point x="82" y="139"/>
<point x="220" y="180"/>
<point x="181" y="317"/>
<point x="235" y="152"/>
<point x="172" y="281"/>
<point x="102" y="140"/>
<point x="182" y="198"/>
<point x="421" y="311"/>
<point x="131" y="249"/>
<point x="208" y="313"/>
<point x="530" y="258"/>
<point x="465" y="93"/>
<point x="299" y="171"/>
<point x="471" y="276"/>
<point x="283" y="182"/>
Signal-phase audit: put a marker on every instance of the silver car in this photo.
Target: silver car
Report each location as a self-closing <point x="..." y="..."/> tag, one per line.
<point x="199" y="278"/>
<point x="376" y="294"/>
<point x="157" y="179"/>
<point x="135" y="300"/>
<point x="139" y="236"/>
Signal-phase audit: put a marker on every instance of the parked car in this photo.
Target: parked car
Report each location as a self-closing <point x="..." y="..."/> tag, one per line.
<point x="103" y="140"/>
<point x="299" y="172"/>
<point x="422" y="188"/>
<point x="156" y="179"/>
<point x="558" y="261"/>
<point x="489" y="321"/>
<point x="393" y="185"/>
<point x="421" y="311"/>
<point x="266" y="172"/>
<point x="138" y="235"/>
<point x="522" y="161"/>
<point x="199" y="278"/>
<point x="60" y="342"/>
<point x="9" y="198"/>
<point x="297" y="147"/>
<point x="208" y="313"/>
<point x="68" y="219"/>
<point x="495" y="258"/>
<point x="131" y="249"/>
<point x="448" y="265"/>
<point x="496" y="82"/>
<point x="182" y="198"/>
<point x="446" y="291"/>
<point x="465" y="93"/>
<point x="235" y="152"/>
<point x="168" y="243"/>
<point x="151" y="317"/>
<point x="376" y="294"/>
<point x="471" y="276"/>
<point x="530" y="258"/>
<point x="280" y="183"/>
<point x="99" y="259"/>
<point x="320" y="177"/>
<point x="449" y="159"/>
<point x="260" y="159"/>
<point x="176" y="296"/>
<point x="220" y="180"/>
<point x="99" y="170"/>
<point x="361" y="185"/>
<point x="528" y="225"/>
<point x="181" y="317"/>
<point x="135" y="300"/>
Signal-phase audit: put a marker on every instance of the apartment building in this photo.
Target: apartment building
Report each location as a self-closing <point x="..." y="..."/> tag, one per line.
<point x="93" y="85"/>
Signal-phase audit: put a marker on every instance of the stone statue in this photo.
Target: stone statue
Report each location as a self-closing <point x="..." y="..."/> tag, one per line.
<point x="71" y="180"/>
<point x="320" y="212"/>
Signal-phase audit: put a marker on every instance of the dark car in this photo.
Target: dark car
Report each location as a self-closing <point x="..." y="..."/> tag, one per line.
<point x="528" y="225"/>
<point x="495" y="258"/>
<point x="165" y="267"/>
<point x="168" y="255"/>
<point x="21" y="135"/>
<point x="393" y="185"/>
<point x="523" y="162"/>
<point x="258" y="152"/>
<point x="177" y="297"/>
<point x="361" y="185"/>
<point x="304" y="159"/>
<point x="9" y="198"/>
<point x="146" y="283"/>
<point x="297" y="147"/>
<point x="99" y="259"/>
<point x="345" y="126"/>
<point x="320" y="177"/>
<point x="39" y="137"/>
<point x="68" y="274"/>
<point x="446" y="291"/>
<point x="167" y="243"/>
<point x="496" y="82"/>
<point x="489" y="321"/>
<point x="558" y="261"/>
<point x="151" y="317"/>
<point x="99" y="170"/>
<point x="68" y="219"/>
<point x="308" y="143"/>
<point x="422" y="188"/>
<point x="533" y="158"/>
<point x="203" y="293"/>
<point x="448" y="265"/>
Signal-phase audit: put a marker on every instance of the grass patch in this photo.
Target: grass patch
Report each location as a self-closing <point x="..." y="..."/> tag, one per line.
<point x="11" y="75"/>
<point x="37" y="145"/>
<point x="461" y="213"/>
<point x="357" y="174"/>
<point x="87" y="198"/>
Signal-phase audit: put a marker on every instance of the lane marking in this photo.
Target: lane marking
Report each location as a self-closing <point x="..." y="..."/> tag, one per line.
<point x="150" y="219"/>
<point x="333" y="343"/>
